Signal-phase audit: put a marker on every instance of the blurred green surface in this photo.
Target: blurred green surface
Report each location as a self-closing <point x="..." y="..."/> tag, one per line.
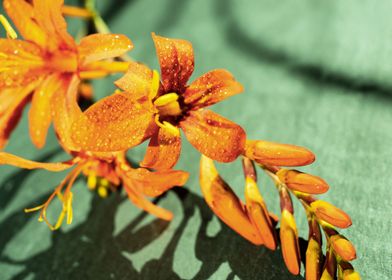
<point x="316" y="73"/>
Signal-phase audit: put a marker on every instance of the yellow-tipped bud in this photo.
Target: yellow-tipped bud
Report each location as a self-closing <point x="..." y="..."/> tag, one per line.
<point x="343" y="248"/>
<point x="258" y="214"/>
<point x="270" y="153"/>
<point x="331" y="214"/>
<point x="313" y="260"/>
<point x="350" y="274"/>
<point x="302" y="182"/>
<point x="289" y="240"/>
<point x="224" y="203"/>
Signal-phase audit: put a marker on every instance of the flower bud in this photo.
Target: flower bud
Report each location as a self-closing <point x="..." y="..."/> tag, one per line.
<point x="314" y="253"/>
<point x="289" y="240"/>
<point x="258" y="214"/>
<point x="224" y="203"/>
<point x="302" y="182"/>
<point x="350" y="274"/>
<point x="313" y="259"/>
<point x="331" y="214"/>
<point x="270" y="153"/>
<point x="343" y="247"/>
<point x="329" y="270"/>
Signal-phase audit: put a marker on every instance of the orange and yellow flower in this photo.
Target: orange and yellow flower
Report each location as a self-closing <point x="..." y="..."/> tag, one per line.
<point x="40" y="66"/>
<point x="104" y="170"/>
<point x="158" y="109"/>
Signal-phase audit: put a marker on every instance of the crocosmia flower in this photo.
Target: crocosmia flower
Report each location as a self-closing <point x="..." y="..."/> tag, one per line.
<point x="158" y="109"/>
<point x="39" y="66"/>
<point x="105" y="170"/>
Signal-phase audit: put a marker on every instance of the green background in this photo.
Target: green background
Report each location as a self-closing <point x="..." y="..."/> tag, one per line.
<point x="316" y="73"/>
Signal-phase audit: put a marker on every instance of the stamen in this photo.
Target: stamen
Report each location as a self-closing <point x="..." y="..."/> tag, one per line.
<point x="92" y="181"/>
<point x="69" y="208"/>
<point x="166" y="99"/>
<point x="154" y="84"/>
<point x="28" y="210"/>
<point x="168" y="126"/>
<point x="8" y="28"/>
<point x="73" y="11"/>
<point x="102" y="191"/>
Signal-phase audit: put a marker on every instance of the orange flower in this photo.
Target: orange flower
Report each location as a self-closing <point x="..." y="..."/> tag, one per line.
<point x="168" y="106"/>
<point x="104" y="170"/>
<point x="41" y="65"/>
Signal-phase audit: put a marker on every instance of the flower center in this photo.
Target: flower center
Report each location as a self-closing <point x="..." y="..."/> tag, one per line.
<point x="63" y="61"/>
<point x="168" y="105"/>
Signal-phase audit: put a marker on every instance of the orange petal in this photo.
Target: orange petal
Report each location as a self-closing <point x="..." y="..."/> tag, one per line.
<point x="21" y="63"/>
<point x="22" y="15"/>
<point x="11" y="109"/>
<point x="138" y="81"/>
<point x="343" y="247"/>
<point x="211" y="88"/>
<point x="313" y="260"/>
<point x="331" y="214"/>
<point x="258" y="214"/>
<point x="65" y="111"/>
<point x="176" y="61"/>
<point x="270" y="153"/>
<point x="48" y="15"/>
<point x="224" y="203"/>
<point x="289" y="240"/>
<point x="40" y="113"/>
<point x="155" y="183"/>
<point x="103" y="46"/>
<point x="115" y="123"/>
<point x="140" y="201"/>
<point x="163" y="151"/>
<point x="10" y="159"/>
<point x="214" y="136"/>
<point x="302" y="182"/>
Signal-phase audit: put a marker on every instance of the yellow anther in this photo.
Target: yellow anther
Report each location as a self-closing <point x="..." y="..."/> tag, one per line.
<point x="8" y="28"/>
<point x="68" y="208"/>
<point x="102" y="191"/>
<point x="76" y="12"/>
<point x="168" y="105"/>
<point x="59" y="220"/>
<point x="28" y="210"/>
<point x="154" y="84"/>
<point x="92" y="181"/>
<point x="104" y="182"/>
<point x="168" y="126"/>
<point x="166" y="99"/>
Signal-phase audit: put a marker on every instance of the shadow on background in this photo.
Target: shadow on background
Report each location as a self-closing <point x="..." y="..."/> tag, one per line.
<point x="90" y="251"/>
<point x="11" y="184"/>
<point x="312" y="72"/>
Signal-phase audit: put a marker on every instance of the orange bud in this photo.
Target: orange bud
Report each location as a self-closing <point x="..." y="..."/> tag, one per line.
<point x="343" y="247"/>
<point x="289" y="240"/>
<point x="302" y="182"/>
<point x="313" y="259"/>
<point x="223" y="201"/>
<point x="331" y="214"/>
<point x="270" y="153"/>
<point x="258" y="214"/>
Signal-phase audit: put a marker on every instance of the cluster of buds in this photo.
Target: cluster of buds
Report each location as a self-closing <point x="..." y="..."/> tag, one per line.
<point x="253" y="221"/>
<point x="52" y="70"/>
